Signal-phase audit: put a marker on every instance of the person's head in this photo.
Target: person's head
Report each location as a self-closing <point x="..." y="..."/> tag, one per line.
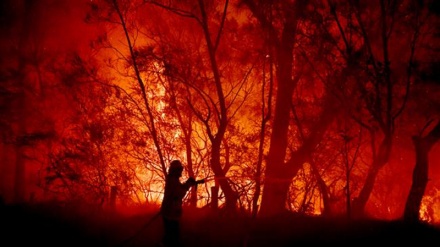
<point x="175" y="168"/>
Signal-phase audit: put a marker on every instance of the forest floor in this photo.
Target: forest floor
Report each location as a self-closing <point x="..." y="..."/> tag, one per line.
<point x="52" y="226"/>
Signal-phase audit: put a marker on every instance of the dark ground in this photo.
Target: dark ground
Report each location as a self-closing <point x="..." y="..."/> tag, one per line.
<point x="52" y="226"/>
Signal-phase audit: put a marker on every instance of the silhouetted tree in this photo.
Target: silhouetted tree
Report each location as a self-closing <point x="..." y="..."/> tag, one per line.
<point x="383" y="93"/>
<point x="422" y="146"/>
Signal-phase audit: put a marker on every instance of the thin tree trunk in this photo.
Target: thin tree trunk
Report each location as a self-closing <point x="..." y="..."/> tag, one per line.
<point x="151" y="126"/>
<point x="231" y="196"/>
<point x="358" y="206"/>
<point x="265" y="119"/>
<point x="327" y="211"/>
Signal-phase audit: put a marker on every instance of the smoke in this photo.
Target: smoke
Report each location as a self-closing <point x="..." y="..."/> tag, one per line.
<point x="64" y="23"/>
<point x="51" y="25"/>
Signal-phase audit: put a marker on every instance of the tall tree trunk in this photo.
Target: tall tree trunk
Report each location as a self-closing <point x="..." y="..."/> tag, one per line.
<point x="422" y="146"/>
<point x="231" y="196"/>
<point x="358" y="206"/>
<point x="266" y="115"/>
<point x="220" y="175"/>
<point x="279" y="181"/>
<point x="280" y="172"/>
<point x="276" y="183"/>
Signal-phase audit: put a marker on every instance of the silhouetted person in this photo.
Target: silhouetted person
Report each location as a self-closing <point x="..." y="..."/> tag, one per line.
<point x="171" y="208"/>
